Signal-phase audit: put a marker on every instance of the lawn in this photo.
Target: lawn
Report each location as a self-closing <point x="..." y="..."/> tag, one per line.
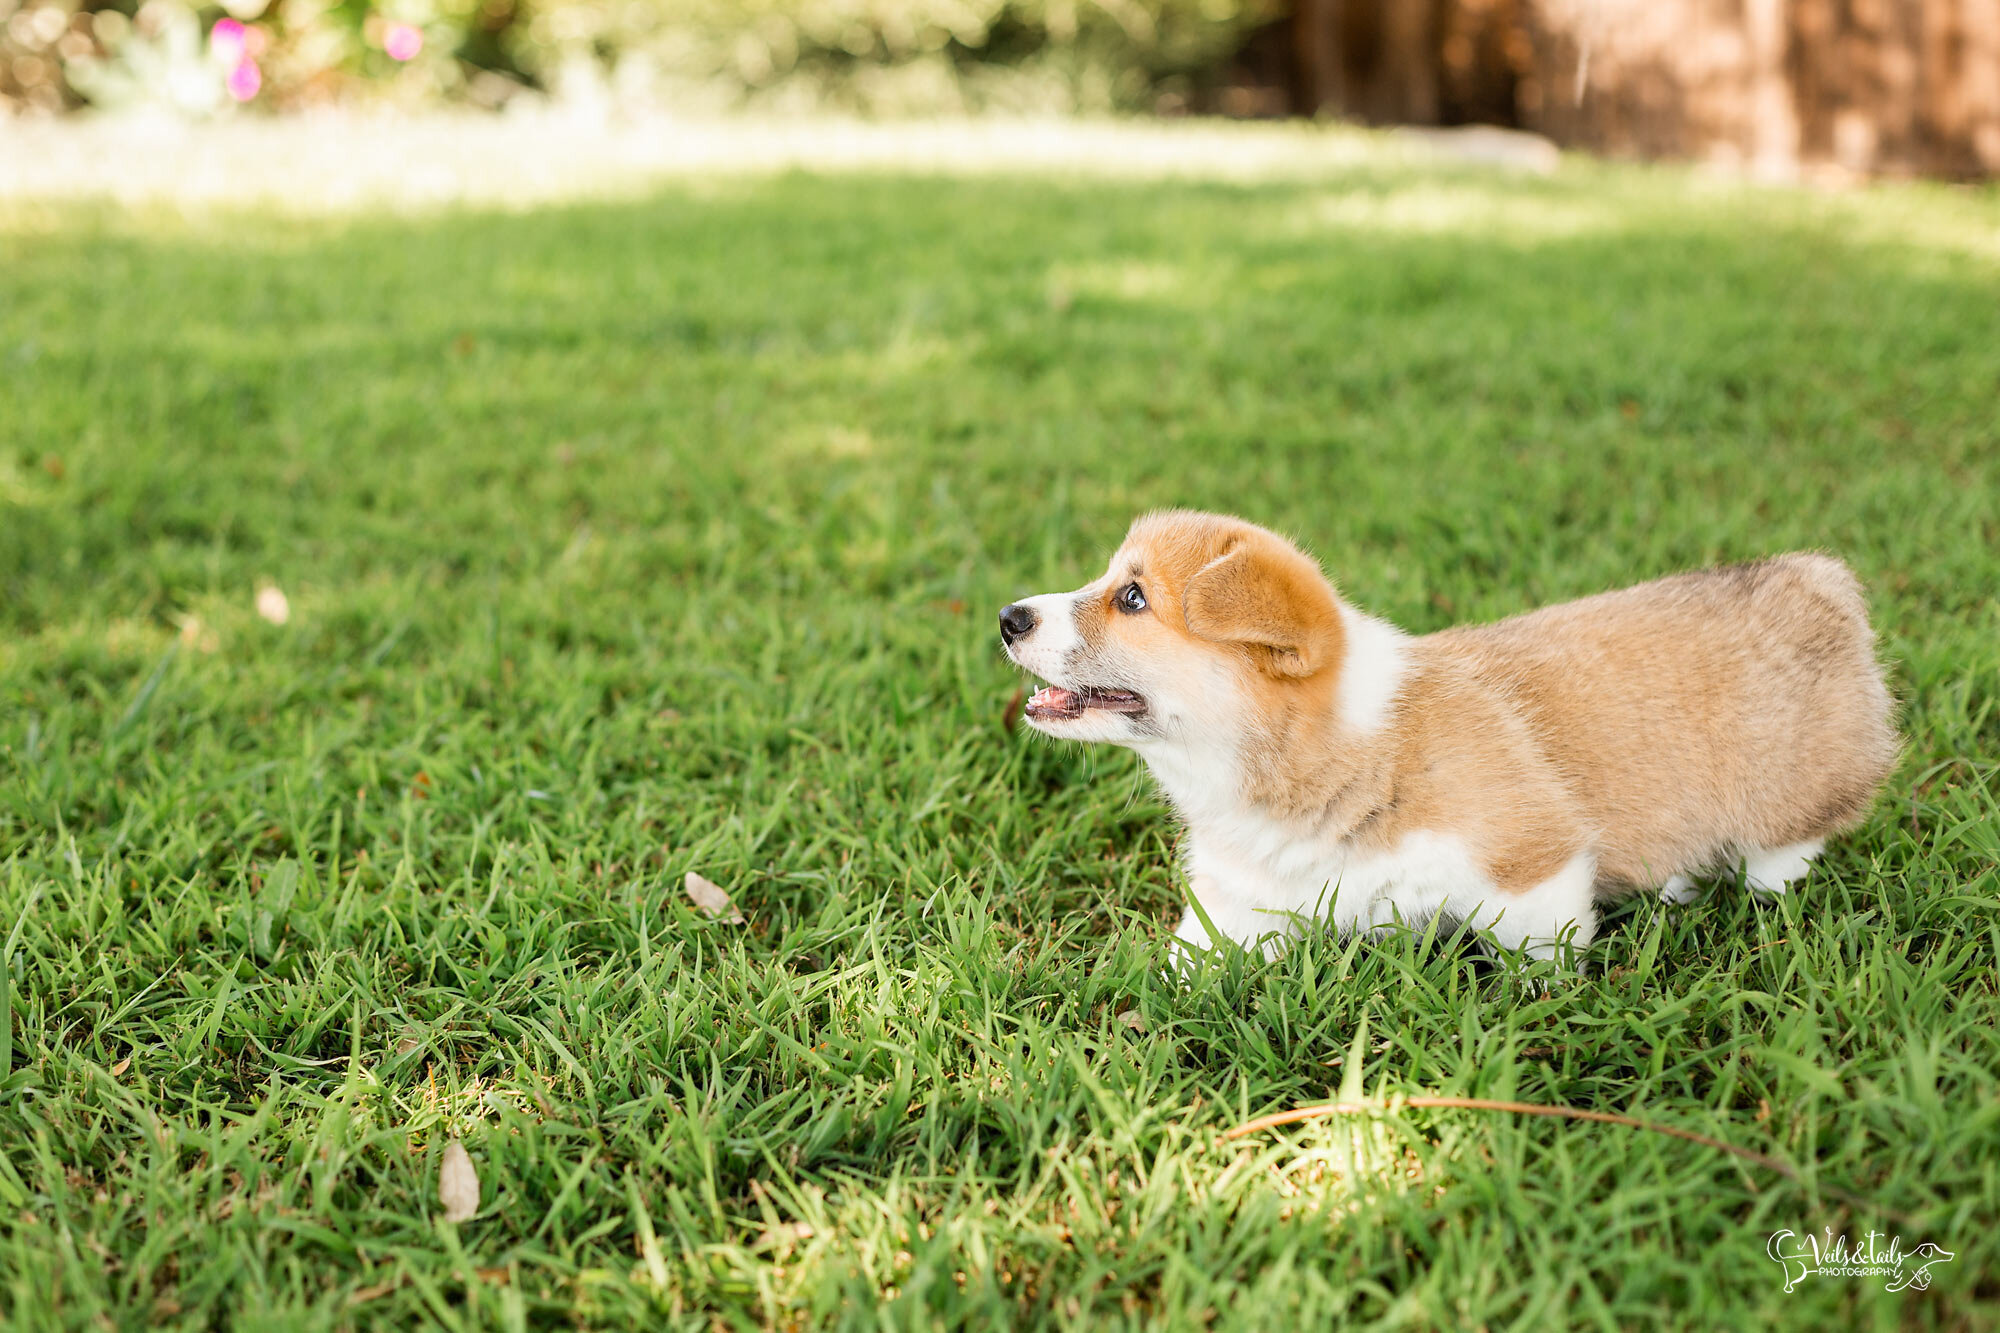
<point x="624" y="539"/>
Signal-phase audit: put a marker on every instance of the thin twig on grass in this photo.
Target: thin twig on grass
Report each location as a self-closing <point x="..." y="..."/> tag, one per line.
<point x="1322" y="1110"/>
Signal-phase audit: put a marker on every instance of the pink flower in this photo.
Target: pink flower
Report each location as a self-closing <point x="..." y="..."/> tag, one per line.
<point x="226" y="41"/>
<point x="245" y="79"/>
<point x="402" y="41"/>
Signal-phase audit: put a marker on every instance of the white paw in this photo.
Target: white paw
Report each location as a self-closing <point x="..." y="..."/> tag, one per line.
<point x="1186" y="949"/>
<point x="1770" y="873"/>
<point x="1679" y="891"/>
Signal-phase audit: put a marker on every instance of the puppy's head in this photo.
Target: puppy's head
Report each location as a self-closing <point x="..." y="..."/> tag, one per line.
<point x="1203" y="627"/>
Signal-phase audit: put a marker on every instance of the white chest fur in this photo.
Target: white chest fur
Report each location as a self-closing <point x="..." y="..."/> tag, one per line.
<point x="1262" y="881"/>
<point x="1257" y="879"/>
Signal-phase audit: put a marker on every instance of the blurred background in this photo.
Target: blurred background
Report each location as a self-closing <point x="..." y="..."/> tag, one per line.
<point x="1778" y="88"/>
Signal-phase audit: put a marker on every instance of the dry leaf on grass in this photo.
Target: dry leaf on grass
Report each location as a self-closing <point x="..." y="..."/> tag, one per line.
<point x="1133" y="1019"/>
<point x="1010" y="716"/>
<point x="458" y="1184"/>
<point x="272" y="604"/>
<point x="409" y="1041"/>
<point x="709" y="897"/>
<point x="196" y="634"/>
<point x="121" y="1066"/>
<point x="362" y="1295"/>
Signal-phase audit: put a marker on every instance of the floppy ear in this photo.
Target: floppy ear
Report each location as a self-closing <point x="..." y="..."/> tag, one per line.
<point x="1269" y="596"/>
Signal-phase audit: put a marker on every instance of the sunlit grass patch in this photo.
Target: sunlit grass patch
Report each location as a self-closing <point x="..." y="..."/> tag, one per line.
<point x="623" y="540"/>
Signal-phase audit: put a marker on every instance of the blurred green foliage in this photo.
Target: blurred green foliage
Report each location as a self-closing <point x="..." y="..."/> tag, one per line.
<point x="863" y="55"/>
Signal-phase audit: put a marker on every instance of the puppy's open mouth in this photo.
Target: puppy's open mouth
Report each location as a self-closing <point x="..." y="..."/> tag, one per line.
<point x="1053" y="703"/>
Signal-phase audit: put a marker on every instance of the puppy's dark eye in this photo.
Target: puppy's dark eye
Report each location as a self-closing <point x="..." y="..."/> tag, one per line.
<point x="1132" y="600"/>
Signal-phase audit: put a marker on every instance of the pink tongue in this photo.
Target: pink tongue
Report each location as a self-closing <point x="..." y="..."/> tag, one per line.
<point x="1053" y="697"/>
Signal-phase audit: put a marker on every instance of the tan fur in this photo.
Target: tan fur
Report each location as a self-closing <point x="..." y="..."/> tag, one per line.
<point x="1265" y="594"/>
<point x="1665" y="727"/>
<point x="1698" y="715"/>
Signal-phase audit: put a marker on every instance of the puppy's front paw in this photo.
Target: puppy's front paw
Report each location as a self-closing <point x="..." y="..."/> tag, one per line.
<point x="1191" y="942"/>
<point x="1679" y="891"/>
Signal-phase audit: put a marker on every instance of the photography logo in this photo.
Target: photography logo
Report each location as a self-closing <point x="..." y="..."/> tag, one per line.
<point x="1907" y="1267"/>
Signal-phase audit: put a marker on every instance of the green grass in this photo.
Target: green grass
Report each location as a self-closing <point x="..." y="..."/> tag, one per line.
<point x="629" y="539"/>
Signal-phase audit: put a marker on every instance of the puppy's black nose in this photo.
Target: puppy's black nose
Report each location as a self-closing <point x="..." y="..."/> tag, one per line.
<point x="1015" y="621"/>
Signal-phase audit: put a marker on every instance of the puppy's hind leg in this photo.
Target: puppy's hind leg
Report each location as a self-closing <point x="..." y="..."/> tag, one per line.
<point x="1770" y="873"/>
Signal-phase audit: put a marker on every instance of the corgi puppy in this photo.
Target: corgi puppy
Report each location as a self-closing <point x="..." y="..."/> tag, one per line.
<point x="1330" y="767"/>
